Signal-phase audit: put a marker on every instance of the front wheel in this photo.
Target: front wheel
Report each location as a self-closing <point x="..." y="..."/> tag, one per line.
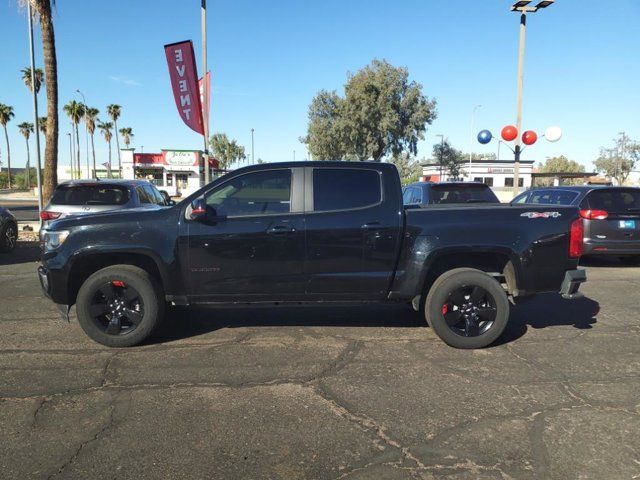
<point x="467" y="308"/>
<point x="120" y="306"/>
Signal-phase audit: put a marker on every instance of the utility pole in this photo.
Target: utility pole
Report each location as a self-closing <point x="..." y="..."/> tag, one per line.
<point x="473" y="117"/>
<point x="441" y="152"/>
<point x="205" y="88"/>
<point x="71" y="153"/>
<point x="35" y="110"/>
<point x="73" y="147"/>
<point x="253" y="153"/>
<point x="86" y="136"/>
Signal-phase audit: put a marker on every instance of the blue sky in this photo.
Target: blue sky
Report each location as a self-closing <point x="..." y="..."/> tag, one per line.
<point x="269" y="58"/>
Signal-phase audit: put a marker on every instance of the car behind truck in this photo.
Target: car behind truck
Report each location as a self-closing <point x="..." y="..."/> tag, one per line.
<point x="313" y="232"/>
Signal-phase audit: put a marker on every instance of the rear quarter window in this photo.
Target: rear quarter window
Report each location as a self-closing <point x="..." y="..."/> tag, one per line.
<point x="90" y="195"/>
<point x="345" y="189"/>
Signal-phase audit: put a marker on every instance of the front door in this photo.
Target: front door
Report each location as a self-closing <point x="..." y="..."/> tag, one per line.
<point x="252" y="247"/>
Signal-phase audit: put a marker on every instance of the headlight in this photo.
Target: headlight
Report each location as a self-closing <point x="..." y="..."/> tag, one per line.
<point x="53" y="240"/>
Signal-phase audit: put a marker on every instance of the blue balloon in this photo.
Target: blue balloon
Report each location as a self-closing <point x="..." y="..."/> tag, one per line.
<point x="484" y="137"/>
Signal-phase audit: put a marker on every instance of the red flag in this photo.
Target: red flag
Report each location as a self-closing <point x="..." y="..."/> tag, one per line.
<point x="206" y="103"/>
<point x="184" y="75"/>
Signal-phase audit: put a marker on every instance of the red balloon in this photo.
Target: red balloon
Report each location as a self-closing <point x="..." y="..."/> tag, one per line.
<point x="529" y="137"/>
<point x="509" y="133"/>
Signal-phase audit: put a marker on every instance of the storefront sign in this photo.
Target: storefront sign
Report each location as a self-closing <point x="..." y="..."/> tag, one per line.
<point x="179" y="158"/>
<point x="184" y="81"/>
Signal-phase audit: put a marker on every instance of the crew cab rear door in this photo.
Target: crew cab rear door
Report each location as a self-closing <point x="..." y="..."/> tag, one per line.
<point x="353" y="218"/>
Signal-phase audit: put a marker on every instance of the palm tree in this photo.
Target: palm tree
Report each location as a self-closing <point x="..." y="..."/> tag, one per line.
<point x="90" y="117"/>
<point x="43" y="9"/>
<point x="105" y="128"/>
<point x="75" y="111"/>
<point x="42" y="125"/>
<point x="114" y="112"/>
<point x="26" y="129"/>
<point x="127" y="135"/>
<point x="26" y="78"/>
<point x="6" y="114"/>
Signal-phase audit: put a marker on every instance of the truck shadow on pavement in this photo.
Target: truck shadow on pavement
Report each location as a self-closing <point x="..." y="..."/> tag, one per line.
<point x="25" y="252"/>
<point x="543" y="311"/>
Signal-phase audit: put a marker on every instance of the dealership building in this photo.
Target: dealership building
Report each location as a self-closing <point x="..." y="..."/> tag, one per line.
<point x="495" y="173"/>
<point x="175" y="171"/>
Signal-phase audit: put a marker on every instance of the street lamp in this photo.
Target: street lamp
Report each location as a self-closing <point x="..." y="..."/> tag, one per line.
<point x="523" y="7"/>
<point x="71" y="153"/>
<point x="253" y="153"/>
<point x="473" y="118"/>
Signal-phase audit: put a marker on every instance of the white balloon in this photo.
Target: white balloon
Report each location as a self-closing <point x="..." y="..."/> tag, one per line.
<point x="553" y="134"/>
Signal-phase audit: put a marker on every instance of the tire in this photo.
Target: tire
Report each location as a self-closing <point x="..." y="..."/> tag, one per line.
<point x="8" y="237"/>
<point x="630" y="260"/>
<point x="447" y="302"/>
<point x="141" y="308"/>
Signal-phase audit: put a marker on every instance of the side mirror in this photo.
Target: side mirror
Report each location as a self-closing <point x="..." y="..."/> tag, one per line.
<point x="197" y="210"/>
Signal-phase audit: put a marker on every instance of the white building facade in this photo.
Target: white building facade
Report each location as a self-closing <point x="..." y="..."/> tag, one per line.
<point x="495" y="173"/>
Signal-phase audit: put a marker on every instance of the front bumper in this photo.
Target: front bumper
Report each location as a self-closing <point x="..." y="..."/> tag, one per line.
<point x="571" y="284"/>
<point x="43" y="276"/>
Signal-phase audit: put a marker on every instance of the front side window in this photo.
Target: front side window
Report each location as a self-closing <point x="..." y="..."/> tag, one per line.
<point x="258" y="193"/>
<point x="344" y="188"/>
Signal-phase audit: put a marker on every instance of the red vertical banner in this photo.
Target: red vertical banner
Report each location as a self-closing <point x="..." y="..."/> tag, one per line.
<point x="206" y="102"/>
<point x="184" y="82"/>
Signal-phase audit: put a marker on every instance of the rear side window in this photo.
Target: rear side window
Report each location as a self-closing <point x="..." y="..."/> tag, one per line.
<point x="615" y="200"/>
<point x="552" y="197"/>
<point x="90" y="195"/>
<point x="462" y="194"/>
<point x="344" y="188"/>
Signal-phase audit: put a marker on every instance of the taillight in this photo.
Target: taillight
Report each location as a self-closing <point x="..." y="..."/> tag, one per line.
<point x="594" y="214"/>
<point x="576" y="238"/>
<point x="44" y="215"/>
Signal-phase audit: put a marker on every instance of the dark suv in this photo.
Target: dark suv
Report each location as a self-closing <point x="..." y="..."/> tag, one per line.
<point x="611" y="214"/>
<point x="428" y="193"/>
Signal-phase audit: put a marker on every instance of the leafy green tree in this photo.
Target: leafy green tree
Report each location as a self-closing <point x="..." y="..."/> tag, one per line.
<point x="26" y="129"/>
<point x="226" y="151"/>
<point x="90" y="118"/>
<point x="408" y="167"/>
<point x="42" y="10"/>
<point x="560" y="164"/>
<point x="75" y="111"/>
<point x="382" y="113"/>
<point x="114" y="111"/>
<point x="26" y="78"/>
<point x="450" y="159"/>
<point x="618" y="162"/>
<point x="127" y="135"/>
<point x="6" y="114"/>
<point x="25" y="179"/>
<point x="105" y="129"/>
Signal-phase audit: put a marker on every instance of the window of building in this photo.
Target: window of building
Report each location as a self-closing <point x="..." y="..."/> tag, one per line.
<point x="508" y="182"/>
<point x="343" y="188"/>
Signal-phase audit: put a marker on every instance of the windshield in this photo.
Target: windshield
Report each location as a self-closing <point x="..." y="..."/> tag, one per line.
<point x="90" y="195"/>
<point x="615" y="200"/>
<point x="462" y="194"/>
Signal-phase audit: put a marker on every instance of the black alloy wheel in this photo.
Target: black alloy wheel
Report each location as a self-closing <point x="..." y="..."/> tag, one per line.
<point x="469" y="311"/>
<point x="116" y="308"/>
<point x="9" y="237"/>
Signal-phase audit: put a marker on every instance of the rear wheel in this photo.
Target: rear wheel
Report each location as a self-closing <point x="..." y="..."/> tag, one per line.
<point x="120" y="306"/>
<point x="8" y="237"/>
<point x="467" y="308"/>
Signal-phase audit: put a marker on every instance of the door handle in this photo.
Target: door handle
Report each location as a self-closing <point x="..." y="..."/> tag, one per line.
<point x="279" y="229"/>
<point x="371" y="226"/>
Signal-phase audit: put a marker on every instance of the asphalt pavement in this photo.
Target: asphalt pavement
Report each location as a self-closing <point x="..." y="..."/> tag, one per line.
<point x="302" y="392"/>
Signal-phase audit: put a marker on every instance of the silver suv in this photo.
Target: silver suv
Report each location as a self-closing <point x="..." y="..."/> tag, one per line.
<point x="82" y="197"/>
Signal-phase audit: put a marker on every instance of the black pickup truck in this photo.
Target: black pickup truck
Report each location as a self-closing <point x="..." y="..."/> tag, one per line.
<point x="313" y="232"/>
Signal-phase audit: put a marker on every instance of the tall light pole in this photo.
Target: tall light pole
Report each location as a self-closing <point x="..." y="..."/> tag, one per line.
<point x="73" y="140"/>
<point x="86" y="135"/>
<point x="35" y="110"/>
<point x="205" y="88"/>
<point x="522" y="7"/>
<point x="253" y="153"/>
<point x="473" y="118"/>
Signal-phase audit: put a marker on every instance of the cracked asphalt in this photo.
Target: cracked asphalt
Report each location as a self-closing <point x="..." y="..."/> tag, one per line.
<point x="327" y="393"/>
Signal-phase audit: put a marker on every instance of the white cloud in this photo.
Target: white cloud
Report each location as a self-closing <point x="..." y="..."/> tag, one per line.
<point x="125" y="81"/>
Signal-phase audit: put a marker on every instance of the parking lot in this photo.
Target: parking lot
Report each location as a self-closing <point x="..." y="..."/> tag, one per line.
<point x="303" y="392"/>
